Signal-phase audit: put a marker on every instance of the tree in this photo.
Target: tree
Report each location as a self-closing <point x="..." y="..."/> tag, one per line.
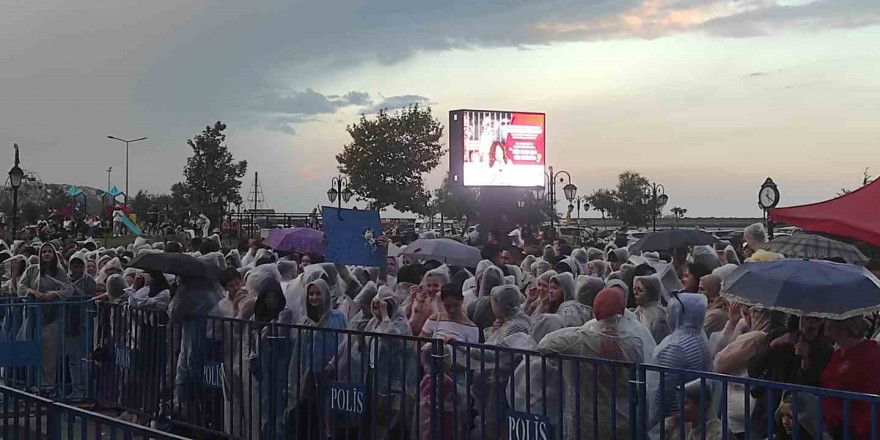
<point x="455" y="202"/>
<point x="678" y="213"/>
<point x="212" y="171"/>
<point x="388" y="156"/>
<point x="604" y="201"/>
<point x="630" y="188"/>
<point x="866" y="179"/>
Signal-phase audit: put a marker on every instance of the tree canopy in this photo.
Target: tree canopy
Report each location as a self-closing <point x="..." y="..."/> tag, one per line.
<point x="389" y="155"/>
<point x="212" y="171"/>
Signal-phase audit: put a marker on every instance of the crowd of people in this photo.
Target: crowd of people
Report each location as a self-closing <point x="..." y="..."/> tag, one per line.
<point x="661" y="309"/>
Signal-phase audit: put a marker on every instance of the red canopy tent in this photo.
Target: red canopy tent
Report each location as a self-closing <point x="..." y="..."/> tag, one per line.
<point x="854" y="215"/>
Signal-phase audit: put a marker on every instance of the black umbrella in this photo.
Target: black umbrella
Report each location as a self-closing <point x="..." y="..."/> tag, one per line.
<point x="176" y="264"/>
<point x="672" y="238"/>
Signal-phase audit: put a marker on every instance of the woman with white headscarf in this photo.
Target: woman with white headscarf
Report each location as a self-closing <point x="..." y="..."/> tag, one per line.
<point x="471" y="287"/>
<point x="686" y="348"/>
<point x="648" y="291"/>
<point x="607" y="337"/>
<point x="510" y="330"/>
<point x="45" y="282"/>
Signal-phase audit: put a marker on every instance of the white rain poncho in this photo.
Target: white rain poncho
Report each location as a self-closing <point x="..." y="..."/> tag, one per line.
<point x="112" y="266"/>
<point x="517" y="274"/>
<point x="526" y="264"/>
<point x="270" y="360"/>
<point x="621" y="256"/>
<point x="233" y="259"/>
<point x="707" y="256"/>
<point x="393" y="364"/>
<point x="494" y="368"/>
<point x="598" y="268"/>
<point x="541" y="267"/>
<point x="480" y="310"/>
<point x="608" y="338"/>
<point x="686" y="348"/>
<point x="295" y="290"/>
<point x="716" y="313"/>
<point x="49" y="279"/>
<point x="569" y="265"/>
<point x="194" y="299"/>
<point x="582" y="257"/>
<point x="631" y="321"/>
<point x="573" y="311"/>
<point x="288" y="269"/>
<point x="84" y="285"/>
<point x="471" y="287"/>
<point x="352" y="349"/>
<point x="651" y="313"/>
<point x="594" y="254"/>
<point x="536" y="379"/>
<point x="313" y="350"/>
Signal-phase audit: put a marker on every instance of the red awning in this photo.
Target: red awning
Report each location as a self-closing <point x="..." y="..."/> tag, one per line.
<point x="854" y="215"/>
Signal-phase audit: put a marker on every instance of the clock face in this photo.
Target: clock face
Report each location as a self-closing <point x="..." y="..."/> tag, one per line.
<point x="768" y="197"/>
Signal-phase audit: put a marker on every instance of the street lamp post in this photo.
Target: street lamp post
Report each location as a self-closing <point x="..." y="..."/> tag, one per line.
<point x="126" y="160"/>
<point x="107" y="194"/>
<point x="339" y="190"/>
<point x="15" y="176"/>
<point x="569" y="190"/>
<point x="582" y="200"/>
<point x="654" y="195"/>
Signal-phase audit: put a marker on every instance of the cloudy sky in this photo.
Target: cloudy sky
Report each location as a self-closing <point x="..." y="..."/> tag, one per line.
<point x="708" y="97"/>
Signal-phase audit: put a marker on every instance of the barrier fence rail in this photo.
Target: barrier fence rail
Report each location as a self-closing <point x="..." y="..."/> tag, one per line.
<point x="248" y="380"/>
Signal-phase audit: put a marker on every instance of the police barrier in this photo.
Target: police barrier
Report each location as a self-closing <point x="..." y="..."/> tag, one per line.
<point x="243" y="379"/>
<point x="45" y="346"/>
<point x="25" y="416"/>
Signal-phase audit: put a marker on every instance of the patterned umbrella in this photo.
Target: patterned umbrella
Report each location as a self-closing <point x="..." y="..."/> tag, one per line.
<point x="816" y="247"/>
<point x="303" y="240"/>
<point x="804" y="287"/>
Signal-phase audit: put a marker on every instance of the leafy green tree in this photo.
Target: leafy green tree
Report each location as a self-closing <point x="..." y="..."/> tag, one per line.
<point x="389" y="155"/>
<point x="455" y="202"/>
<point x="604" y="201"/>
<point x="212" y="171"/>
<point x="630" y="188"/>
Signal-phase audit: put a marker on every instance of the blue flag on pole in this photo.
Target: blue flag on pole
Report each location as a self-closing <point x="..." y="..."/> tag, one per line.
<point x="353" y="237"/>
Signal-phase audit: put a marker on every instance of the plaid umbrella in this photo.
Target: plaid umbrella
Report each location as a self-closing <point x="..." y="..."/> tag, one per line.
<point x="808" y="288"/>
<point x="816" y="247"/>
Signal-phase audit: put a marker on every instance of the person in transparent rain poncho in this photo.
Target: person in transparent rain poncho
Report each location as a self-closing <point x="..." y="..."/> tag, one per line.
<point x="313" y="351"/>
<point x="647" y="291"/>
<point x="349" y="360"/>
<point x="392" y="367"/>
<point x="193" y="300"/>
<point x="492" y="369"/>
<point x="45" y="282"/>
<point x="686" y="348"/>
<point x="479" y="311"/>
<point x="536" y="294"/>
<point x="702" y="400"/>
<point x="536" y="379"/>
<point x="608" y="337"/>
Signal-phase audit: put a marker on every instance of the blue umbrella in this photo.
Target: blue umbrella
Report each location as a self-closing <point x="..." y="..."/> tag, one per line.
<point x="804" y="287"/>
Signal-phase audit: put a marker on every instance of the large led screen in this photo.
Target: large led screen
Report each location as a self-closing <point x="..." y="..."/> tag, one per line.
<point x="503" y="148"/>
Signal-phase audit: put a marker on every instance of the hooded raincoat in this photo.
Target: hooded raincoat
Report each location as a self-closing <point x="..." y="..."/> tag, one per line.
<point x="686" y="348"/>
<point x="652" y="314"/>
<point x="609" y="338"/>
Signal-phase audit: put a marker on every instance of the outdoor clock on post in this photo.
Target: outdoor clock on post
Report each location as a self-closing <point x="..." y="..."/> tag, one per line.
<point x="768" y="198"/>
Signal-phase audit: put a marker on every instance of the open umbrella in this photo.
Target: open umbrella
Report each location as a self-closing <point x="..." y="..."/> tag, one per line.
<point x="805" y="287"/>
<point x="672" y="238"/>
<point x="444" y="250"/>
<point x="302" y="240"/>
<point x="176" y="264"/>
<point x="815" y="247"/>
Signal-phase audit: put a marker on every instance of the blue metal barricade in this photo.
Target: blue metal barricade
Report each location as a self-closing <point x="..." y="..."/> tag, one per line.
<point x="45" y="346"/>
<point x="247" y="380"/>
<point x="27" y="416"/>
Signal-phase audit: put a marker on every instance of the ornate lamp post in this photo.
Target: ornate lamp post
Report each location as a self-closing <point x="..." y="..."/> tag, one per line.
<point x="339" y="190"/>
<point x="549" y="191"/>
<point x="15" y="176"/>
<point x="654" y="195"/>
